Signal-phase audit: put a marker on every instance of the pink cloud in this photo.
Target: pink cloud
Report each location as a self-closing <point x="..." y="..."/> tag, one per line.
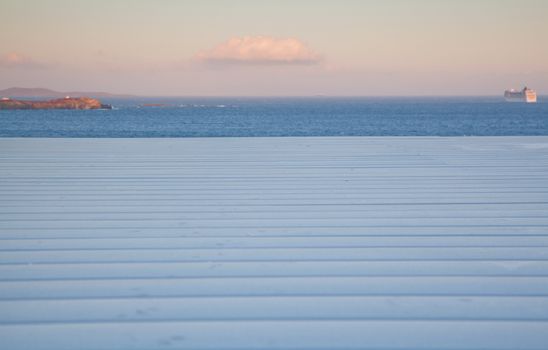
<point x="15" y="60"/>
<point x="260" y="50"/>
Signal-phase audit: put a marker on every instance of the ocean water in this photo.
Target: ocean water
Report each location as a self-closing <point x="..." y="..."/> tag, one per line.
<point x="313" y="116"/>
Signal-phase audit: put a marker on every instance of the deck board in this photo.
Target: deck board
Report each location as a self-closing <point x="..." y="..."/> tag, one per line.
<point x="274" y="243"/>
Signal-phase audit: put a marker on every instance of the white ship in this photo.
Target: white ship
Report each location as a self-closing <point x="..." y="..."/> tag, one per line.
<point x="526" y="95"/>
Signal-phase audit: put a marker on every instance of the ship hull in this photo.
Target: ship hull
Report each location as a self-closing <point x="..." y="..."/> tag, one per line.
<point x="526" y="96"/>
<point x="521" y="99"/>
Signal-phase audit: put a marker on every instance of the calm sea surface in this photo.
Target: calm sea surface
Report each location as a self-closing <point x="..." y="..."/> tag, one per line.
<point x="314" y="116"/>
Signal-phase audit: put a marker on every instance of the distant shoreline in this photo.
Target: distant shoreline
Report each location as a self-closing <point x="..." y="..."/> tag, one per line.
<point x="17" y="92"/>
<point x="61" y="103"/>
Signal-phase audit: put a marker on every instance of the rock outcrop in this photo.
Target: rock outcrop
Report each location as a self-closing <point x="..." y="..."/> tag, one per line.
<point x="60" y="103"/>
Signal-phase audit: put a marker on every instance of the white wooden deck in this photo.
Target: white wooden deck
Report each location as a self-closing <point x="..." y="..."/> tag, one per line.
<point x="274" y="243"/>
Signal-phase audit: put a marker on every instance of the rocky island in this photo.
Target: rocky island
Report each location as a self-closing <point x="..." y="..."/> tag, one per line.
<point x="60" y="103"/>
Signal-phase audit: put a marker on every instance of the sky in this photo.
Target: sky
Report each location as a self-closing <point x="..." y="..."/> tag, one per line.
<point x="280" y="48"/>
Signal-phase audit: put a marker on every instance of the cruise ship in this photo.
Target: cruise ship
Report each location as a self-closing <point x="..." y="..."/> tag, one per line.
<point x="526" y="95"/>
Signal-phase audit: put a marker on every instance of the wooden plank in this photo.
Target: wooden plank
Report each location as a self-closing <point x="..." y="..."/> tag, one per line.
<point x="286" y="243"/>
<point x="275" y="308"/>
<point x="271" y="286"/>
<point x="317" y="335"/>
<point x="140" y="270"/>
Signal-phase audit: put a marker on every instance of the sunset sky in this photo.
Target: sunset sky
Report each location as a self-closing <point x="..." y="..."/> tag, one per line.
<point x="278" y="47"/>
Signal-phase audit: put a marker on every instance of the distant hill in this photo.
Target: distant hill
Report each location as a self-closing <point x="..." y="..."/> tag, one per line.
<point x="42" y="92"/>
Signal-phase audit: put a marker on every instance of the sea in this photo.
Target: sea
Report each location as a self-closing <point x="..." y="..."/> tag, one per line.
<point x="277" y="116"/>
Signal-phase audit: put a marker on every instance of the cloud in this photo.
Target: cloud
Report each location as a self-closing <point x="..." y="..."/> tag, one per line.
<point x="17" y="60"/>
<point x="260" y="50"/>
